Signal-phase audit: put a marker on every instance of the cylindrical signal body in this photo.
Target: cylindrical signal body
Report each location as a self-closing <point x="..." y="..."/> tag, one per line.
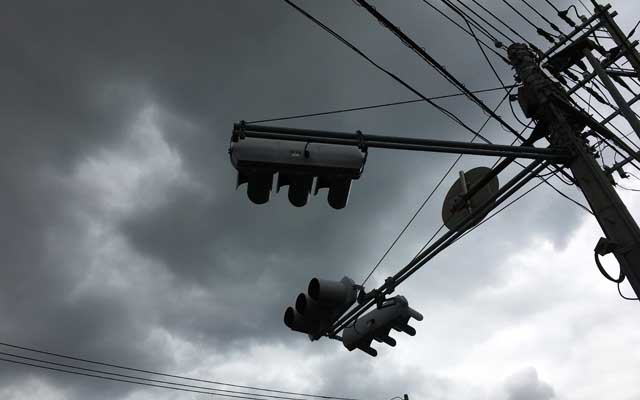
<point x="394" y="313"/>
<point x="297" y="164"/>
<point x="317" y="309"/>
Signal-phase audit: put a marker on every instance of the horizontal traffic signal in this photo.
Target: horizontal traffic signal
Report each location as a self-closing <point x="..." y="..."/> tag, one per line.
<point x="298" y="165"/>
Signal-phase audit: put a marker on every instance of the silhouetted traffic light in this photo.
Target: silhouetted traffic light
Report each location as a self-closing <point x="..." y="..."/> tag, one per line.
<point x="393" y="313"/>
<point x="298" y="165"/>
<point x="323" y="303"/>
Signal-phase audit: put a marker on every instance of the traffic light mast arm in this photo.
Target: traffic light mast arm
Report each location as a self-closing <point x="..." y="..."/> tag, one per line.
<point x="510" y="188"/>
<point x="391" y="142"/>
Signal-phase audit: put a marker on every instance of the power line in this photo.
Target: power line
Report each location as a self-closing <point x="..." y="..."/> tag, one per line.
<point x="344" y="110"/>
<point x="493" y="69"/>
<point x="504" y="24"/>
<point x="625" y="297"/>
<point x="497" y="43"/>
<point x="448" y="113"/>
<point x="539" y="30"/>
<point x="551" y="24"/>
<point x="422" y="53"/>
<point x="526" y="126"/>
<point x="215" y="392"/>
<point x="424" y="203"/>
<point x="466" y="16"/>
<point x="108" y="378"/>
<point x="31" y="349"/>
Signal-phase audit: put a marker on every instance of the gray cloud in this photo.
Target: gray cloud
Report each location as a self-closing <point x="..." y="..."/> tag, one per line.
<point x="122" y="234"/>
<point x="525" y="385"/>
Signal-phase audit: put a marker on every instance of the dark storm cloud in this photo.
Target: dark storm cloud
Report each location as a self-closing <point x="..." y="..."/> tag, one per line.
<point x="78" y="75"/>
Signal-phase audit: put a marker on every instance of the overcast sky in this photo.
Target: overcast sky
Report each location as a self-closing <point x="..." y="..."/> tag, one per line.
<point x="123" y="239"/>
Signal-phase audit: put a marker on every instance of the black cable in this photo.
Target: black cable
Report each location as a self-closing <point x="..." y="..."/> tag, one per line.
<point x="497" y="43"/>
<point x="424" y="203"/>
<point x="216" y="392"/>
<point x="575" y="9"/>
<point x="551" y="24"/>
<point x="493" y="69"/>
<point x="572" y="200"/>
<point x="515" y="115"/>
<point x="439" y="68"/>
<point x="448" y="113"/>
<point x="539" y="30"/>
<point x="163" y="374"/>
<point x="552" y="5"/>
<point x="505" y="24"/>
<point x="604" y="272"/>
<point x="344" y="110"/>
<point x="484" y="54"/>
<point x="502" y="209"/>
<point x="585" y="7"/>
<point x="466" y="16"/>
<point x="625" y="297"/>
<point x="422" y="53"/>
<point x="627" y="189"/>
<point x="633" y="30"/>
<point x="117" y="379"/>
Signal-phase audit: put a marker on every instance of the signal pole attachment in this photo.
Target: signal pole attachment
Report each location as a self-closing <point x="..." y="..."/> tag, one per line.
<point x="545" y="101"/>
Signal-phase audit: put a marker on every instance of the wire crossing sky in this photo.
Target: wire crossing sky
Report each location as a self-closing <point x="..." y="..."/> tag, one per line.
<point x="126" y="248"/>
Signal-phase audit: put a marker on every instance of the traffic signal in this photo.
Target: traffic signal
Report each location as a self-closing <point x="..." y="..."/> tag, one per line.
<point x="298" y="165"/>
<point x="324" y="302"/>
<point x="393" y="313"/>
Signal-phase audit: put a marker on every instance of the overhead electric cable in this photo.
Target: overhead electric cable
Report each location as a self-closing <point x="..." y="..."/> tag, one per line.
<point x="504" y="24"/>
<point x="448" y="113"/>
<point x="214" y="391"/>
<point x="427" y="2"/>
<point x="344" y="110"/>
<point x="466" y="16"/>
<point x="426" y="200"/>
<point x="108" y="378"/>
<point x="420" y="51"/>
<point x="539" y="30"/>
<point x="49" y="353"/>
<point x="625" y="297"/>
<point x="585" y="7"/>
<point x="443" y="71"/>
<point x="551" y="24"/>
<point x="493" y="69"/>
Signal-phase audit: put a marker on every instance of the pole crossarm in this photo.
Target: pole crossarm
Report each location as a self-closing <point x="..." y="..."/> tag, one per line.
<point x="364" y="141"/>
<point x="601" y="12"/>
<point x="618" y="36"/>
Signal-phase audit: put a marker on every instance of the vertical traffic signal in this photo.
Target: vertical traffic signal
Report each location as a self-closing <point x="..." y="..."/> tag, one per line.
<point x="324" y="302"/>
<point x="393" y="313"/>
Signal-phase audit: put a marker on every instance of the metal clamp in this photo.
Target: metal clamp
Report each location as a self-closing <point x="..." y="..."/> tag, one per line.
<point x="362" y="144"/>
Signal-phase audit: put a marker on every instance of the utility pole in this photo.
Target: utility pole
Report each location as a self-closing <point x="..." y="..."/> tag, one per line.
<point x="543" y="100"/>
<point x="333" y="159"/>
